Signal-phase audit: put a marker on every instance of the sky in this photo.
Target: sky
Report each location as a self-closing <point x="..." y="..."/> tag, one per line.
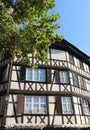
<point x="75" y="22"/>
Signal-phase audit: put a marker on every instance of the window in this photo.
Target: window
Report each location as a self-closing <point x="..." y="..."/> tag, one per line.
<point x="35" y="74"/>
<point x="81" y="65"/>
<point x="66" y="105"/>
<point x="75" y="80"/>
<point x="35" y="105"/>
<point x="85" y="106"/>
<point x="83" y="83"/>
<point x="71" y="59"/>
<point x="64" y="78"/>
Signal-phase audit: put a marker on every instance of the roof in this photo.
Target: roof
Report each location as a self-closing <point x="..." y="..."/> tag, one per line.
<point x="65" y="45"/>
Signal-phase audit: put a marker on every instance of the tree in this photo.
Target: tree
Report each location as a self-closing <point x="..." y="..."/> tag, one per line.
<point x="28" y="26"/>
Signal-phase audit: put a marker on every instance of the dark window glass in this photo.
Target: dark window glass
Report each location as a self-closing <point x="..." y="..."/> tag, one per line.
<point x="71" y="59"/>
<point x="81" y="65"/>
<point x="75" y="80"/>
<point x="83" y="83"/>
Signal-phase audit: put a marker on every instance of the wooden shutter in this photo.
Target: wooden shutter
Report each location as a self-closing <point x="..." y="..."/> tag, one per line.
<point x="48" y="75"/>
<point x="20" y="104"/>
<point x="22" y="73"/>
<point x="2" y="73"/>
<point x="57" y="76"/>
<point x="89" y="104"/>
<point x="58" y="105"/>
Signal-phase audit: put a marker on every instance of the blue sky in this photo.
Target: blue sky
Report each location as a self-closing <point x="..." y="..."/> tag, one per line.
<point x="75" y="22"/>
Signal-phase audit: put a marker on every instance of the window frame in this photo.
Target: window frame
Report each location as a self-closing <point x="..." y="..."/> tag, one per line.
<point x="35" y="105"/>
<point x="35" y="75"/>
<point x="85" y="106"/>
<point x="75" y="80"/>
<point x="64" y="77"/>
<point x="71" y="59"/>
<point x="66" y="104"/>
<point x="83" y="83"/>
<point x="81" y="65"/>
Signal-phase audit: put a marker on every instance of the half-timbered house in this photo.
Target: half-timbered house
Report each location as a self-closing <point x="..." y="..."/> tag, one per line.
<point x="56" y="95"/>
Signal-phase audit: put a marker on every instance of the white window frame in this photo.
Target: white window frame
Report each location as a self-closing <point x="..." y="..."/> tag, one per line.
<point x="86" y="108"/>
<point x="31" y="103"/>
<point x="66" y="105"/>
<point x="35" y="75"/>
<point x="64" y="77"/>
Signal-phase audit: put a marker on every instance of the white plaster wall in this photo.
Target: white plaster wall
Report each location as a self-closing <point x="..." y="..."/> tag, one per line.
<point x="83" y="119"/>
<point x="57" y="120"/>
<point x="10" y="121"/>
<point x="75" y="99"/>
<point x="14" y="85"/>
<point x="78" y="119"/>
<point x="76" y="109"/>
<point x="10" y="110"/>
<point x="51" y="99"/>
<point x="51" y="108"/>
<point x="14" y="76"/>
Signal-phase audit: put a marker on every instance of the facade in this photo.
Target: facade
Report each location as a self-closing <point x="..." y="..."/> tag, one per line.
<point x="56" y="95"/>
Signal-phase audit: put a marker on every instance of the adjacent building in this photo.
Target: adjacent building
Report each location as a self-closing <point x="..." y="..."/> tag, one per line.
<point x="56" y="95"/>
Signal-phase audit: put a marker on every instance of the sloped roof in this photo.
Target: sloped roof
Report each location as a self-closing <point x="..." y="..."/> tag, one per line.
<point x="65" y="45"/>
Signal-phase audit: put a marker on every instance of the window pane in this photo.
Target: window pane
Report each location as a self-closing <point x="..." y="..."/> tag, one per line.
<point x="28" y="99"/>
<point x="43" y="100"/>
<point x="36" y="106"/>
<point x="42" y="75"/>
<point x="35" y="75"/>
<point x="29" y="74"/>
<point x="43" y="105"/>
<point x="36" y="99"/>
